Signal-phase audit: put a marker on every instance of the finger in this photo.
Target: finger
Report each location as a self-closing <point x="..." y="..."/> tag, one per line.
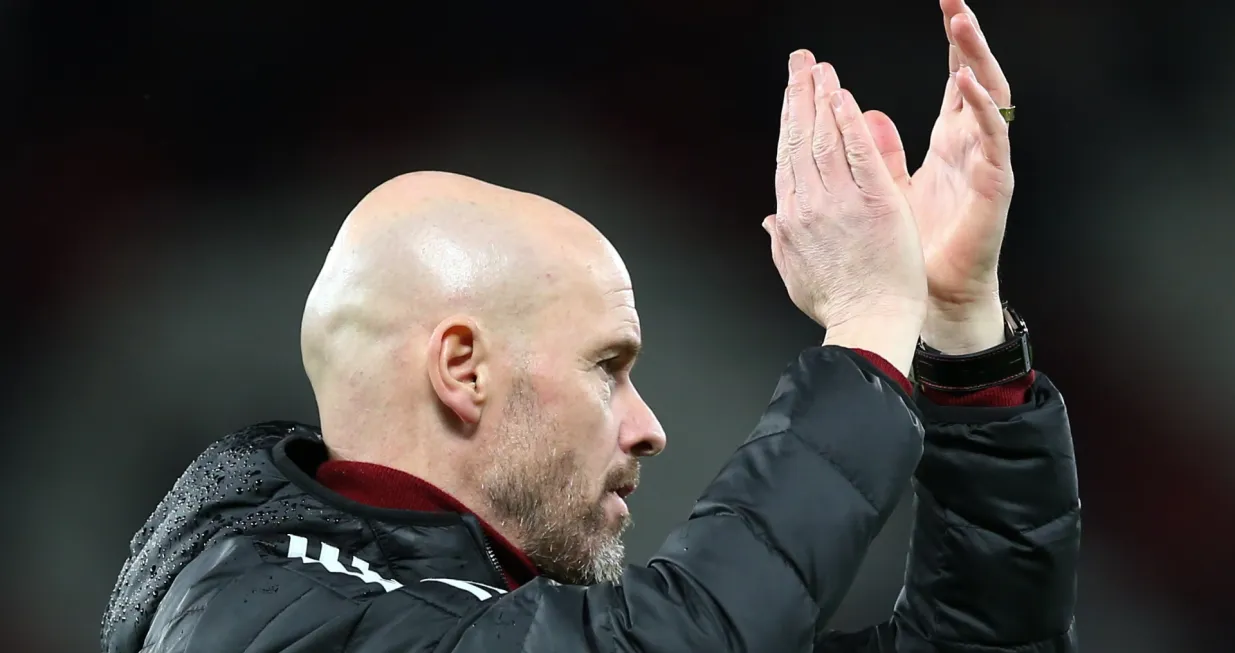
<point x="827" y="146"/>
<point x="888" y="143"/>
<point x="865" y="164"/>
<point x="992" y="128"/>
<point x="801" y="129"/>
<point x="977" y="53"/>
<point x="800" y="60"/>
<point x="951" y="95"/>
<point x="950" y="9"/>
<point x="784" y="173"/>
<point x="952" y="100"/>
<point x="827" y="74"/>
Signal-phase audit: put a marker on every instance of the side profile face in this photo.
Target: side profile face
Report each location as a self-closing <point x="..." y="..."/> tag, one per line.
<point x="482" y="340"/>
<point x="572" y="427"/>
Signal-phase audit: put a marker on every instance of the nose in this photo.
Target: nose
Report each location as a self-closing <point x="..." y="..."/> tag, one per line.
<point x="641" y="433"/>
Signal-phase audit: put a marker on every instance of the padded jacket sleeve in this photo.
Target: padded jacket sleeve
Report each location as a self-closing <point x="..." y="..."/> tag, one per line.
<point x="994" y="552"/>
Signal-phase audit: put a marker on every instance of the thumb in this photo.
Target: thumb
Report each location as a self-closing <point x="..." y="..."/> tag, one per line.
<point x="888" y="142"/>
<point x="769" y="225"/>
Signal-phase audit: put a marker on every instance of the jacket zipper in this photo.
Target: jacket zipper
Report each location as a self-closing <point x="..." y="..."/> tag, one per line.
<point x="493" y="558"/>
<point x="489" y="554"/>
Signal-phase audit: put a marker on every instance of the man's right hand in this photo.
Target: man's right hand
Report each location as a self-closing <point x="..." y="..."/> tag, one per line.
<point x="843" y="237"/>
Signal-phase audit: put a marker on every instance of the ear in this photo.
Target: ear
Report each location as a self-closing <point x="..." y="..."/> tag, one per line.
<point x="457" y="367"/>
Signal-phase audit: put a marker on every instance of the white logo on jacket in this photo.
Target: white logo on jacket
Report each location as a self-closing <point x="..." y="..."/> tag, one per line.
<point x="478" y="590"/>
<point x="329" y="558"/>
<point x="298" y="549"/>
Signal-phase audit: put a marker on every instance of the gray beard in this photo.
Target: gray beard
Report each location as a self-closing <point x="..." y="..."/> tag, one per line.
<point x="565" y="535"/>
<point x="539" y="498"/>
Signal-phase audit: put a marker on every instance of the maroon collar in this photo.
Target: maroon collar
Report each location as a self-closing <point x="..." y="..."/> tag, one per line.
<point x="384" y="487"/>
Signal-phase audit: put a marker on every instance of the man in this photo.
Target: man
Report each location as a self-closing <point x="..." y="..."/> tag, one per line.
<point x="470" y="350"/>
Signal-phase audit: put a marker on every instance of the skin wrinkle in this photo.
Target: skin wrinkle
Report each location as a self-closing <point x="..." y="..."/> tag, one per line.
<point x="455" y="333"/>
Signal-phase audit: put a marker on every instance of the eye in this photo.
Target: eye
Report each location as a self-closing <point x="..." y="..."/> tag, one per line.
<point x="617" y="368"/>
<point x="612" y="366"/>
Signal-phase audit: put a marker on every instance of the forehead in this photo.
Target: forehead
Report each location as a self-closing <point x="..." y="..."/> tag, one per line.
<point x="595" y="300"/>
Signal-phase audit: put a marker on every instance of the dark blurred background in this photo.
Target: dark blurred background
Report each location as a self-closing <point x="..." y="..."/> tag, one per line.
<point x="174" y="173"/>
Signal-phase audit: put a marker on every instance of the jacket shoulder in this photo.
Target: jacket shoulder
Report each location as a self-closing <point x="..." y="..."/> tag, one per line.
<point x="294" y="593"/>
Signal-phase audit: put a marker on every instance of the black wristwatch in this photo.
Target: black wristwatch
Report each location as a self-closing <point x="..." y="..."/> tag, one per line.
<point x="984" y="369"/>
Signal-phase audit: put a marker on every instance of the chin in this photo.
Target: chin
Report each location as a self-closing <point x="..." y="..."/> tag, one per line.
<point x="608" y="561"/>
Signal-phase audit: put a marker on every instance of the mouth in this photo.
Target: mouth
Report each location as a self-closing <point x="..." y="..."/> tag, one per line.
<point x="623" y="491"/>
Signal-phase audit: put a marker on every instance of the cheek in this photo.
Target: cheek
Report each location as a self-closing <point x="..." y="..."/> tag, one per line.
<point x="596" y="435"/>
<point x="586" y="419"/>
<point x="579" y="418"/>
<point x="575" y="397"/>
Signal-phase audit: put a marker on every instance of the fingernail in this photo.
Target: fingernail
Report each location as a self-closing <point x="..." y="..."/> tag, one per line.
<point x="838" y="99"/>
<point x="816" y="71"/>
<point x="796" y="61"/>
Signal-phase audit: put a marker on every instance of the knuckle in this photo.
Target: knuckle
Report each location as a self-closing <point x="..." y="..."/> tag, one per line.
<point x="778" y="222"/>
<point x="876" y="202"/>
<point x="858" y="155"/>
<point x="823" y="146"/>
<point x="870" y="201"/>
<point x="795" y="139"/>
<point x="807" y="212"/>
<point x="802" y="200"/>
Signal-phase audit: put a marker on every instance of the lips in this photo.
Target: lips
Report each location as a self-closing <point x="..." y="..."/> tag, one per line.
<point x="624" y="480"/>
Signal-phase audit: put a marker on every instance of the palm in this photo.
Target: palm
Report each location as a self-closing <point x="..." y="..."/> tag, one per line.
<point x="960" y="195"/>
<point x="960" y="201"/>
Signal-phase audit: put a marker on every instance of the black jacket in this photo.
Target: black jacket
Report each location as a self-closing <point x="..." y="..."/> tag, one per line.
<point x="248" y="553"/>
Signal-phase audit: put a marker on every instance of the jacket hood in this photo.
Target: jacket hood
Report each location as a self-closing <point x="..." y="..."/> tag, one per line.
<point x="233" y="488"/>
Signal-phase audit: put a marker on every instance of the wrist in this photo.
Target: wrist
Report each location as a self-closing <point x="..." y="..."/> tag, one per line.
<point x="976" y="372"/>
<point x="958" y="329"/>
<point x="894" y="337"/>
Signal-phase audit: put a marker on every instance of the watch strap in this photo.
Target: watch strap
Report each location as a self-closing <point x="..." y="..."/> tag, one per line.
<point x="992" y="367"/>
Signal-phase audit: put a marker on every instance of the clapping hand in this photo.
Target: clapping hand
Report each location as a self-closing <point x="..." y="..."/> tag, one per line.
<point x="843" y="238"/>
<point x="961" y="194"/>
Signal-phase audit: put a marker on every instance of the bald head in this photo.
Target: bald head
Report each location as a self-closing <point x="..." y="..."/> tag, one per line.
<point x="426" y="246"/>
<point x="481" y="339"/>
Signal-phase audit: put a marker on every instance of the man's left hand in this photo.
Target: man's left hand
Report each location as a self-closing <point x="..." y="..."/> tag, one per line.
<point x="961" y="194"/>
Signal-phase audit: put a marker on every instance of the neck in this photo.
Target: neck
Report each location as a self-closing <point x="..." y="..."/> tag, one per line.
<point x="452" y="471"/>
<point x="385" y="486"/>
